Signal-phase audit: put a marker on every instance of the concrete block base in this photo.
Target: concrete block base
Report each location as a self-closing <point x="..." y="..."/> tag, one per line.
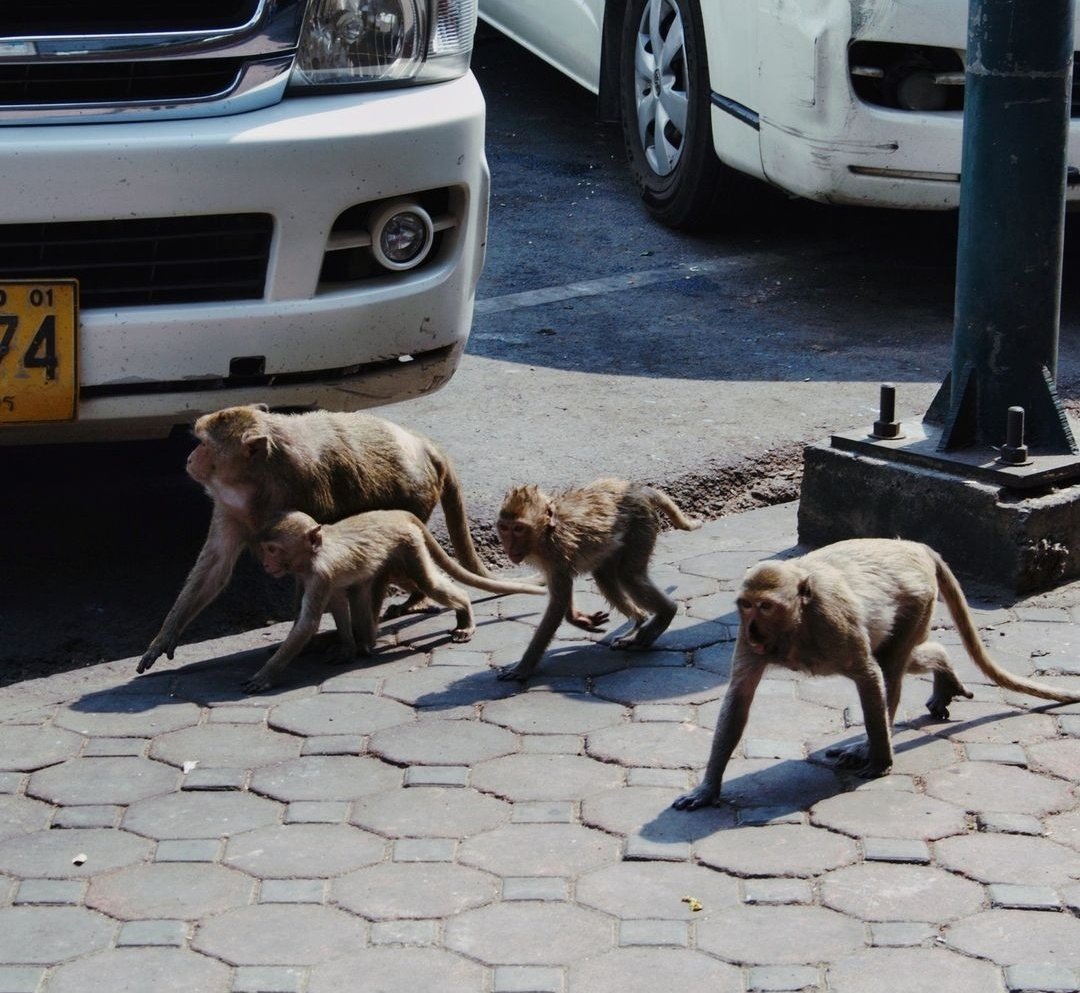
<point x="1018" y="540"/>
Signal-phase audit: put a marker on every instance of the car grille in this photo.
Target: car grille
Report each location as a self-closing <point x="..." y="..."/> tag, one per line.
<point x="78" y="17"/>
<point x="145" y="261"/>
<point x="51" y="84"/>
<point x="75" y="61"/>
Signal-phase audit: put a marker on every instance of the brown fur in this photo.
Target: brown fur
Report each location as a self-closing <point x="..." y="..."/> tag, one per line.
<point x="346" y="567"/>
<point x="860" y="608"/>
<point x="608" y="528"/>
<point x="255" y="464"/>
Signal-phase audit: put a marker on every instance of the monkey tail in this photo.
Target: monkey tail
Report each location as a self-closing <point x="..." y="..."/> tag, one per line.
<point x="457" y="523"/>
<point x="954" y="599"/>
<point x="456" y="571"/>
<point x="662" y="502"/>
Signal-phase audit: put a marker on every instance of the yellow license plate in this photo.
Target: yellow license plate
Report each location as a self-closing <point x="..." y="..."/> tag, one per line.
<point x="38" y="347"/>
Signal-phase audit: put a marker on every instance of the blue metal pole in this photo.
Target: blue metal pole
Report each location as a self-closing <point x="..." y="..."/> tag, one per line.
<point x="1011" y="226"/>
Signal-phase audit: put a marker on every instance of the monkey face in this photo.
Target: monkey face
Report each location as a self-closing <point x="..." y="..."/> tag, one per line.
<point x="516" y="538"/>
<point x="762" y="620"/>
<point x="200" y="463"/>
<point x="275" y="558"/>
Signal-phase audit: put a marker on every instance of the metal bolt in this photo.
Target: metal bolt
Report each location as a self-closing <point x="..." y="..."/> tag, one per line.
<point x="887" y="426"/>
<point x="1014" y="451"/>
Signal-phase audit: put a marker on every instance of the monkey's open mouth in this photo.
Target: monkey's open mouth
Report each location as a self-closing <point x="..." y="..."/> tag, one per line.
<point x="757" y="643"/>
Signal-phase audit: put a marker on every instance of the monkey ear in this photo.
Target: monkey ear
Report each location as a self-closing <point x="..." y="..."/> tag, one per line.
<point x="314" y="537"/>
<point x="256" y="445"/>
<point x="550" y="520"/>
<point x="806" y="592"/>
<point x="261" y="406"/>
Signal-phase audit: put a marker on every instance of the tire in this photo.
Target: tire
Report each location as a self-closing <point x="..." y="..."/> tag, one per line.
<point x="665" y="112"/>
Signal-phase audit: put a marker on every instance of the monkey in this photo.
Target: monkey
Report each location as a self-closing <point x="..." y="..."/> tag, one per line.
<point x="608" y="528"/>
<point x="254" y="464"/>
<point x="861" y="608"/>
<point x="346" y="567"/>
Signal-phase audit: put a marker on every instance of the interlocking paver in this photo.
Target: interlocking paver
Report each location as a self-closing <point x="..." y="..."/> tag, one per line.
<point x="103" y="780"/>
<point x="641" y="890"/>
<point x="163" y="970"/>
<point x="24" y="748"/>
<point x="1012" y="937"/>
<point x="56" y="854"/>
<point x="439" y="742"/>
<point x="544" y="777"/>
<point x="784" y="935"/>
<point x="19" y="815"/>
<point x="912" y="970"/>
<point x="279" y="934"/>
<point x="177" y="890"/>
<point x="413" y="890"/>
<point x="1059" y="758"/>
<point x="776" y="850"/>
<point x="200" y="815"/>
<point x="429" y="812"/>
<point x="889" y="815"/>
<point x="1008" y="858"/>
<point x="324" y="777"/>
<point x="529" y="933"/>
<point x="664" y="745"/>
<point x="127" y="715"/>
<point x="245" y="745"/>
<point x="883" y="892"/>
<point x="416" y="822"/>
<point x="985" y="786"/>
<point x="337" y="713"/>
<point x="646" y="970"/>
<point x="538" y="850"/>
<point x="282" y="851"/>
<point x="47" y="935"/>
<point x="398" y="969"/>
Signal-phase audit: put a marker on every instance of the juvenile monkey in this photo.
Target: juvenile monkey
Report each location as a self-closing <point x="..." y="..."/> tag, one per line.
<point x="346" y="567"/>
<point x="861" y="608"/>
<point x="608" y="528"/>
<point x="254" y="464"/>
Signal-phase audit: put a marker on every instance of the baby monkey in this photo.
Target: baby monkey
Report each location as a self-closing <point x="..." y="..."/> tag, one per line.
<point x="860" y="608"/>
<point x="346" y="567"/>
<point x="608" y="528"/>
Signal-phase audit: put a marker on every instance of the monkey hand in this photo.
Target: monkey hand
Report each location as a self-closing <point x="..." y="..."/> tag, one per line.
<point x="702" y="796"/>
<point x="261" y="681"/>
<point x="519" y="672"/>
<point x="158" y="647"/>
<point x="590" y="622"/>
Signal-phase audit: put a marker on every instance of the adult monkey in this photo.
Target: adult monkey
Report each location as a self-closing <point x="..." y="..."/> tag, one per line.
<point x="346" y="567"/>
<point x="861" y="608"/>
<point x="255" y="464"/>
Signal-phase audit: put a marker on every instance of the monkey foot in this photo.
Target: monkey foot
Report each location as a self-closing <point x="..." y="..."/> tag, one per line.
<point x="255" y="684"/>
<point x="460" y="635"/>
<point x="701" y="796"/>
<point x="514" y="672"/>
<point x="856" y="759"/>
<point x="414" y="605"/>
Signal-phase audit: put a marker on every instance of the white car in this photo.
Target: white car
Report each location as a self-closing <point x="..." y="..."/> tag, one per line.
<point x="846" y="101"/>
<point x="212" y="202"/>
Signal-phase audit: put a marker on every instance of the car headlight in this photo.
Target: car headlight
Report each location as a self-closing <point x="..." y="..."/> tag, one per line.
<point x="363" y="42"/>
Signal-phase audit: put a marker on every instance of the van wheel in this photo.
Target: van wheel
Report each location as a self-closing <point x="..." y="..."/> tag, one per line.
<point x="665" y="111"/>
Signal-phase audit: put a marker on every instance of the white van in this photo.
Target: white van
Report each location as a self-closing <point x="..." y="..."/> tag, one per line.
<point x="229" y="201"/>
<point x="845" y="101"/>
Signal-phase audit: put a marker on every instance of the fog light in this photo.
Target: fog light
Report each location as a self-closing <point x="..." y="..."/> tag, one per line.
<point x="401" y="235"/>
<point x="921" y="91"/>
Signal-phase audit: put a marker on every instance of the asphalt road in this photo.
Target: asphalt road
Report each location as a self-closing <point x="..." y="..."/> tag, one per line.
<point x="602" y="343"/>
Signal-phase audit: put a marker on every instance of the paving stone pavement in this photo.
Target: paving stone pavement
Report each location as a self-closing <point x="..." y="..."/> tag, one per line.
<point x="412" y="823"/>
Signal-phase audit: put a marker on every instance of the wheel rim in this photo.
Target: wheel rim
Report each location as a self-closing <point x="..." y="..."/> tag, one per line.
<point x="662" y="85"/>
